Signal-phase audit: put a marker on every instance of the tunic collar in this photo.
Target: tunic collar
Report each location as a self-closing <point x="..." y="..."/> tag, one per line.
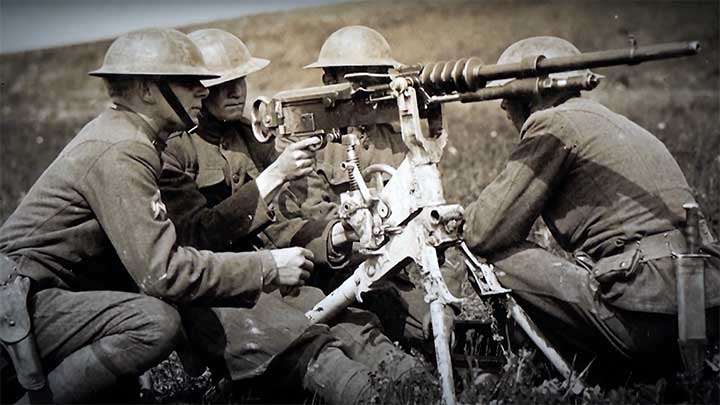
<point x="211" y="129"/>
<point x="147" y="123"/>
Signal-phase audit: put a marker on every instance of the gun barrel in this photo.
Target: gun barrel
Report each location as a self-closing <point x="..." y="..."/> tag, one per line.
<point x="590" y="60"/>
<point x="523" y="87"/>
<point x="470" y="74"/>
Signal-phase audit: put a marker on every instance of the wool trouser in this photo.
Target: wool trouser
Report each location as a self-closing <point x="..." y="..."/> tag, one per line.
<point x="90" y="340"/>
<point x="562" y="299"/>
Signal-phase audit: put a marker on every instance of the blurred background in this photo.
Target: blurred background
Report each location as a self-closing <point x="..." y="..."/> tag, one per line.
<point x="46" y="95"/>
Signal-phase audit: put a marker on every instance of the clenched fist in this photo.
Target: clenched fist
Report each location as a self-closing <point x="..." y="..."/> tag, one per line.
<point x="293" y="266"/>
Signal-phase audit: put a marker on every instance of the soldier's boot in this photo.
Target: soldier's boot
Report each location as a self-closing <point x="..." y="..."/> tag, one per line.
<point x="338" y="379"/>
<point x="364" y="342"/>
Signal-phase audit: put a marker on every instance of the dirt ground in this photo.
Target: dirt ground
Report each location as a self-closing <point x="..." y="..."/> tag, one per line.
<point x="46" y="96"/>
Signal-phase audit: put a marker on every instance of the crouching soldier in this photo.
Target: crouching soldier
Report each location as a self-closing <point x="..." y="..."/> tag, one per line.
<point x="610" y="192"/>
<point x="91" y="243"/>
<point x="219" y="185"/>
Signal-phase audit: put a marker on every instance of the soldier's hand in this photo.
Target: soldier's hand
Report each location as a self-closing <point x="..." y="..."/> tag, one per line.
<point x="296" y="161"/>
<point x="293" y="266"/>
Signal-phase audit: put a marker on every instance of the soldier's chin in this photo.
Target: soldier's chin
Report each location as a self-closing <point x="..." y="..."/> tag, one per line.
<point x="194" y="114"/>
<point x="179" y="125"/>
<point x="233" y="113"/>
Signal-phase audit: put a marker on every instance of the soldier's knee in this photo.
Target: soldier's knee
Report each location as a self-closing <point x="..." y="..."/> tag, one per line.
<point x="156" y="327"/>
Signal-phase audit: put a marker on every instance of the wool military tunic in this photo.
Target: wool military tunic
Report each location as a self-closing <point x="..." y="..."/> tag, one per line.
<point x="96" y="215"/>
<point x="208" y="183"/>
<point x="600" y="182"/>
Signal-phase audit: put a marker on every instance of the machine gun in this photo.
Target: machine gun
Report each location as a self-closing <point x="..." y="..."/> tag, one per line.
<point x="407" y="219"/>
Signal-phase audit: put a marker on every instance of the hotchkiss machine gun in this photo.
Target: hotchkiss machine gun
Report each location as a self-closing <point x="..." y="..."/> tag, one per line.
<point x="407" y="219"/>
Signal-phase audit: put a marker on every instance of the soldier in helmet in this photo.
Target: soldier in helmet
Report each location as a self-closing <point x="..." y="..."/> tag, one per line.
<point x="401" y="307"/>
<point x="611" y="193"/>
<point x="219" y="186"/>
<point x="92" y="233"/>
<point x="353" y="49"/>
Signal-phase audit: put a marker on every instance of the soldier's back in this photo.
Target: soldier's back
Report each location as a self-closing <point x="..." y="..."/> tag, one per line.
<point x="621" y="184"/>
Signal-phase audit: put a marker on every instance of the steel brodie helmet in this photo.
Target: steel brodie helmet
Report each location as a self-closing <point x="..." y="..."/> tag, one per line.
<point x="225" y="55"/>
<point x="550" y="47"/>
<point x="157" y="52"/>
<point x="355" y="46"/>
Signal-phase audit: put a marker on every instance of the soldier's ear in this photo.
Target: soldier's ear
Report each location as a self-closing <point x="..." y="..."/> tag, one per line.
<point x="148" y="91"/>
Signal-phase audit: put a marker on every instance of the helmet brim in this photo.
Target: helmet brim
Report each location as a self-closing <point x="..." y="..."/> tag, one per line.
<point x="341" y="63"/>
<point x="189" y="75"/>
<point x="252" y="66"/>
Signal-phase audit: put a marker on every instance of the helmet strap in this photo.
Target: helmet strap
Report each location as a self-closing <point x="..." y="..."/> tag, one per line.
<point x="175" y="104"/>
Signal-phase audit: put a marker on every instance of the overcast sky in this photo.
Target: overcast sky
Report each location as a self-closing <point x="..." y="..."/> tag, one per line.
<point x="35" y="24"/>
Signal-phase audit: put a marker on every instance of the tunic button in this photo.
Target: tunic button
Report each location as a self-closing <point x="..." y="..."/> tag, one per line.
<point x="236" y="178"/>
<point x="250" y="217"/>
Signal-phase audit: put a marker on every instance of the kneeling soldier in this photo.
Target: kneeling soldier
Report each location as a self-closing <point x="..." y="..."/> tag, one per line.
<point x="610" y="192"/>
<point x="93" y="236"/>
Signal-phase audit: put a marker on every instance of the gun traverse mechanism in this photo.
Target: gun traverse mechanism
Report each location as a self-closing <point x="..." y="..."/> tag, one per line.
<point x="407" y="219"/>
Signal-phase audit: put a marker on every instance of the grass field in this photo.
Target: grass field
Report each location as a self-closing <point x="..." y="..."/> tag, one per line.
<point x="46" y="96"/>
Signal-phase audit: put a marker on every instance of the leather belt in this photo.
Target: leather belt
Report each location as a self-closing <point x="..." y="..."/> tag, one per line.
<point x="623" y="266"/>
<point x="659" y="245"/>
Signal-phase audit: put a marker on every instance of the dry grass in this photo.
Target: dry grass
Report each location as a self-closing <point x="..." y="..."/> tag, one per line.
<point x="46" y="96"/>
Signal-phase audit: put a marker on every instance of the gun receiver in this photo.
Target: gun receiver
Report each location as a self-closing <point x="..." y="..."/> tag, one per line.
<point x="407" y="219"/>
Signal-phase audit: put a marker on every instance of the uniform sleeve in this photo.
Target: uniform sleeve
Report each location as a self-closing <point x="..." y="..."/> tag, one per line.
<point x="122" y="190"/>
<point x="506" y="209"/>
<point x="294" y="229"/>
<point x="215" y="228"/>
<point x="314" y="197"/>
